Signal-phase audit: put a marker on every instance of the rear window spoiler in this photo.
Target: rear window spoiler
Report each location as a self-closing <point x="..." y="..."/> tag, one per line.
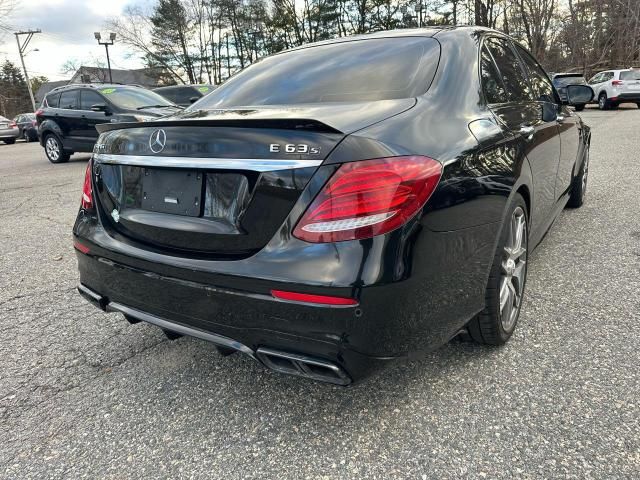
<point x="273" y="123"/>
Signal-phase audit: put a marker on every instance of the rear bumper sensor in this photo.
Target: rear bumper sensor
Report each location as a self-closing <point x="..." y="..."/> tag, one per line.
<point x="303" y="366"/>
<point x="283" y="362"/>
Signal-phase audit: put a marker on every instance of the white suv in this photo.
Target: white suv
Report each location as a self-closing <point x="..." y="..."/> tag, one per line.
<point x="613" y="87"/>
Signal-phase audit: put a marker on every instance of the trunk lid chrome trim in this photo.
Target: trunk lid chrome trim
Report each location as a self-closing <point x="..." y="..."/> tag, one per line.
<point x="204" y="163"/>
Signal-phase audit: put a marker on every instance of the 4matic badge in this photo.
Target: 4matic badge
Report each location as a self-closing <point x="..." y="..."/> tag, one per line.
<point x="292" y="148"/>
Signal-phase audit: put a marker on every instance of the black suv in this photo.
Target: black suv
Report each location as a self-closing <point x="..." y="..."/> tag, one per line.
<point x="68" y="115"/>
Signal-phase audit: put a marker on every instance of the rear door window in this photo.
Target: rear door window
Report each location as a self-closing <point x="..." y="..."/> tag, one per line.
<point x="69" y="100"/>
<point x="515" y="81"/>
<point x="492" y="86"/>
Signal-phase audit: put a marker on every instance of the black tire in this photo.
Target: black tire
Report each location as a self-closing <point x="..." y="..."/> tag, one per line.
<point x="9" y="141"/>
<point x="638" y="104"/>
<point x="603" y="103"/>
<point x="579" y="184"/>
<point x="26" y="136"/>
<point x="579" y="108"/>
<point x="49" y="140"/>
<point x="488" y="327"/>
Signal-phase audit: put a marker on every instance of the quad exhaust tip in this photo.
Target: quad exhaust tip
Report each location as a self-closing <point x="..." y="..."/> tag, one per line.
<point x="303" y="366"/>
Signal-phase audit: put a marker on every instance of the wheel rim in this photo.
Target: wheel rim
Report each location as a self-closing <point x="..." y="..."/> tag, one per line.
<point x="514" y="270"/>
<point x="52" y="148"/>
<point x="602" y="101"/>
<point x="585" y="173"/>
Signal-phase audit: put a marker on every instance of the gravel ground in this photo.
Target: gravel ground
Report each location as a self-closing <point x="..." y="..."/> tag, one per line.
<point x="83" y="394"/>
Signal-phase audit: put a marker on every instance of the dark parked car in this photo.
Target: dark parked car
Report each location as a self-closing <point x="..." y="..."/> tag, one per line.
<point x="69" y="115"/>
<point x="28" y="126"/>
<point x="562" y="80"/>
<point x="338" y="206"/>
<point x="184" y="95"/>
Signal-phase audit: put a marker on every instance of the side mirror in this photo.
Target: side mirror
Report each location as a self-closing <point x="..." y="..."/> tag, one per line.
<point x="194" y="99"/>
<point x="578" y="94"/>
<point x="101" y="107"/>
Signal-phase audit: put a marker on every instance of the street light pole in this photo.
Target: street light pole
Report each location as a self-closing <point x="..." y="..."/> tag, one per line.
<point x="22" y="48"/>
<point x="106" y="43"/>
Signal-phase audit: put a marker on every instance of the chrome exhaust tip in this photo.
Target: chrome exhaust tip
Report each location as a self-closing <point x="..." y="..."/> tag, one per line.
<point x="303" y="366"/>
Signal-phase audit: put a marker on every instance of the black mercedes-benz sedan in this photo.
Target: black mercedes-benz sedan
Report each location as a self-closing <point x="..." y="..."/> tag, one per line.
<point x="340" y="205"/>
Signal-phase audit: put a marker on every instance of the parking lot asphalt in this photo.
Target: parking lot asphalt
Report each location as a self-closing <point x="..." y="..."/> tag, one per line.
<point x="83" y="394"/>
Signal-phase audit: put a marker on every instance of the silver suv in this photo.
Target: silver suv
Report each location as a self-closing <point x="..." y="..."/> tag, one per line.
<point x="613" y="87"/>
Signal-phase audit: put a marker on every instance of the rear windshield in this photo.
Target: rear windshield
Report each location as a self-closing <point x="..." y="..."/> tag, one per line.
<point x="630" y="75"/>
<point x="373" y="69"/>
<point x="564" y="81"/>
<point x="131" y="98"/>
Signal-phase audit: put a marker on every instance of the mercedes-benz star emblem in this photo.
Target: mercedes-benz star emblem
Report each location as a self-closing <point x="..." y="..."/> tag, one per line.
<point x="157" y="141"/>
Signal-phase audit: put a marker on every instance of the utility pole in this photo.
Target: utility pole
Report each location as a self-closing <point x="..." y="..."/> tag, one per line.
<point x="22" y="48"/>
<point x="106" y="43"/>
<point x="226" y="37"/>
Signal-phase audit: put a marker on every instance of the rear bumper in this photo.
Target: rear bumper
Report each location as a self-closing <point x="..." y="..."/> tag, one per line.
<point x="9" y="133"/>
<point x="322" y="364"/>
<point x="627" y="97"/>
<point x="414" y="291"/>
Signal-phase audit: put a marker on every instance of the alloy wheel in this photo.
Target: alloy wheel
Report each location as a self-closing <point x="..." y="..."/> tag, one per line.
<point x="602" y="102"/>
<point x="514" y="270"/>
<point x="53" y="148"/>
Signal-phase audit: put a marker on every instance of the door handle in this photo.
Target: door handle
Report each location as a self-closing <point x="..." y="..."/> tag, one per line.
<point x="527" y="131"/>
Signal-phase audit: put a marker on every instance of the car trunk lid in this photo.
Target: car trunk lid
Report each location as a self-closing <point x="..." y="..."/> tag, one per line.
<point x="219" y="183"/>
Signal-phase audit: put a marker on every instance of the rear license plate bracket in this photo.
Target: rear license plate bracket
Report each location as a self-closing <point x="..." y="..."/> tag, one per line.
<point x="177" y="192"/>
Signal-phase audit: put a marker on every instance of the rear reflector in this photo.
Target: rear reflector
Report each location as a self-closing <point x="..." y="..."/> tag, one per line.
<point x="314" y="299"/>
<point x="368" y="198"/>
<point x="80" y="247"/>
<point x="87" y="194"/>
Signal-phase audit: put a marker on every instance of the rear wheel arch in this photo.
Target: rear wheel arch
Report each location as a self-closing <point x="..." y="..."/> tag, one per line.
<point x="524" y="191"/>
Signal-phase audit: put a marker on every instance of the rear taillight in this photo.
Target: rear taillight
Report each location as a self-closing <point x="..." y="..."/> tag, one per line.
<point x="616" y="82"/>
<point x="368" y="198"/>
<point x="34" y="122"/>
<point x="87" y="194"/>
<point x="39" y="112"/>
<point x="13" y="124"/>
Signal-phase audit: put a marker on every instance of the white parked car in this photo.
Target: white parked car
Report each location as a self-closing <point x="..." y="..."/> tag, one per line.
<point x="613" y="87"/>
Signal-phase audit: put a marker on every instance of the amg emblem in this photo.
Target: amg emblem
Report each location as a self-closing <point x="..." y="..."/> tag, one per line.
<point x="294" y="148"/>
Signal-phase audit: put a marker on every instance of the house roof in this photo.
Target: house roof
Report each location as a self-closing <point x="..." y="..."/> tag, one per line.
<point x="47" y="87"/>
<point x="96" y="74"/>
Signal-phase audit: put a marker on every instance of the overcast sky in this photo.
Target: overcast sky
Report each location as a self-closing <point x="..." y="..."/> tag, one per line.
<point x="67" y="33"/>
